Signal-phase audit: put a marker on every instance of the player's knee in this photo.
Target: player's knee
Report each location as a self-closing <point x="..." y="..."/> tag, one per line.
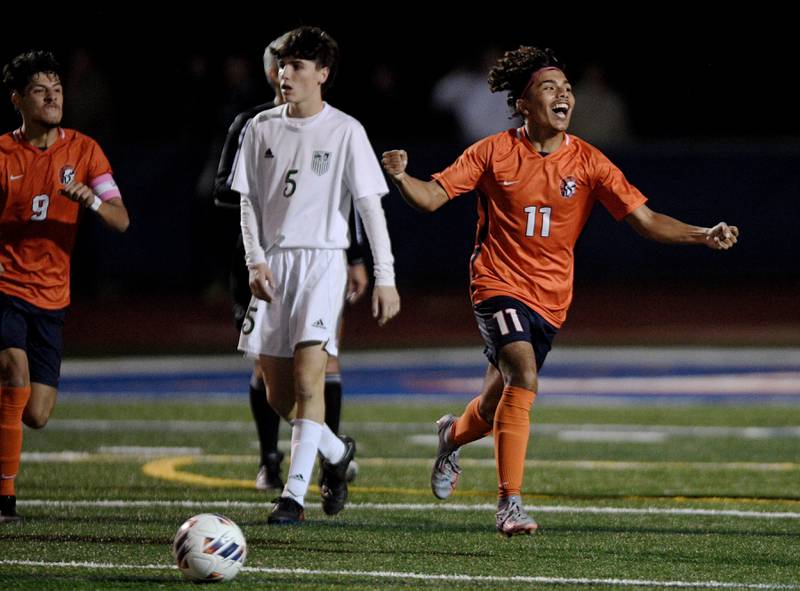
<point x="307" y="386"/>
<point x="303" y="393"/>
<point x="13" y="371"/>
<point x="36" y="418"/>
<point x="521" y="377"/>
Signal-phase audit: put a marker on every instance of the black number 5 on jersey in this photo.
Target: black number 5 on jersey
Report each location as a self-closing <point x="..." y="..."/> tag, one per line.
<point x="291" y="184"/>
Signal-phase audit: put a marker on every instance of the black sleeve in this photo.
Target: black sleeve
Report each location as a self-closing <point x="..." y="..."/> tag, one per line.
<point x="224" y="196"/>
<point x="357" y="249"/>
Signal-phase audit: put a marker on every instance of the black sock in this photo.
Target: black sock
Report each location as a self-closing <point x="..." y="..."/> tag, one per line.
<point x="333" y="401"/>
<point x="267" y="420"/>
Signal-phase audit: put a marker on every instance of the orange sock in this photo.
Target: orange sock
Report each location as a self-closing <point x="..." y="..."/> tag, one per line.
<point x="12" y="403"/>
<point x="470" y="426"/>
<point x="512" y="422"/>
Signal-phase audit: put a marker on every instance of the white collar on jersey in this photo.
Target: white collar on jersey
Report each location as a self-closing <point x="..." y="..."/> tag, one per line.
<point x="303" y="122"/>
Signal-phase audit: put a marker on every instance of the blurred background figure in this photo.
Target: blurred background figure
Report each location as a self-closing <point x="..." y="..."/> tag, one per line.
<point x="240" y="92"/>
<point x="90" y="107"/>
<point x="602" y="116"/>
<point x="465" y="94"/>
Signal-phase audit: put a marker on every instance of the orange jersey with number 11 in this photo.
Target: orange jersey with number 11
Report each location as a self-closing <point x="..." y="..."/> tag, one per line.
<point x="531" y="210"/>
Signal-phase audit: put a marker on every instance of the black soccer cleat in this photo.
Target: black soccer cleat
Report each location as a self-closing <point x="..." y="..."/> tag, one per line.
<point x="8" y="510"/>
<point x="333" y="487"/>
<point x="286" y="511"/>
<point x="269" y="473"/>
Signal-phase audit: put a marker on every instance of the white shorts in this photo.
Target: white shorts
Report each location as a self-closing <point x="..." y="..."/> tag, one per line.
<point x="307" y="306"/>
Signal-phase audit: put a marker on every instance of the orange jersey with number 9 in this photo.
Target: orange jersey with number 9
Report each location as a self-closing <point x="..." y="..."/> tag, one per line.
<point x="38" y="224"/>
<point x="531" y="211"/>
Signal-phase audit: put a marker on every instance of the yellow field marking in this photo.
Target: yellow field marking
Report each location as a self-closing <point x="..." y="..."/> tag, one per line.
<point x="573" y="464"/>
<point x="170" y="469"/>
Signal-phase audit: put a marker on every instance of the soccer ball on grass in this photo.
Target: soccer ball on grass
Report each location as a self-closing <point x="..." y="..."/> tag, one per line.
<point x="209" y="548"/>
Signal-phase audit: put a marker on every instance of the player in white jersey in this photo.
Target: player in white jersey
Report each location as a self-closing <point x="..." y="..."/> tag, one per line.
<point x="302" y="166"/>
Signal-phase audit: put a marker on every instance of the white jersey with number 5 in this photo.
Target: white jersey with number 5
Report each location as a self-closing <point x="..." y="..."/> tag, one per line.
<point x="301" y="176"/>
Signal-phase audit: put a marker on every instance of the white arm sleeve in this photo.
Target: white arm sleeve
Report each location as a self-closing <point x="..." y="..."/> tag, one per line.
<point x="253" y="253"/>
<point x="245" y="182"/>
<point x="371" y="212"/>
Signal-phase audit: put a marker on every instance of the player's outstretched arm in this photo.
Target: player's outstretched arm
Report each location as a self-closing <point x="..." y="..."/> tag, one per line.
<point x="113" y="212"/>
<point x="422" y="195"/>
<point x="662" y="228"/>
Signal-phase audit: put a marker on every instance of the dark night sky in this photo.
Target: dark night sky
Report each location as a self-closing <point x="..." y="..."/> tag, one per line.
<point x="683" y="74"/>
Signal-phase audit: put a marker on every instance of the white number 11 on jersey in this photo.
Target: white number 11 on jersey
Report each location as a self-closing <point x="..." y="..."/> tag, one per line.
<point x="530" y="230"/>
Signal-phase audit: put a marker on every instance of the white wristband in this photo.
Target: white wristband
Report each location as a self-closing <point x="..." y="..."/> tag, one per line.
<point x="96" y="203"/>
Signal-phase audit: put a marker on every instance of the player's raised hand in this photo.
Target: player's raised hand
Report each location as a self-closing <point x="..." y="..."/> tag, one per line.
<point x="394" y="163"/>
<point x="79" y="193"/>
<point x="261" y="282"/>
<point x="722" y="236"/>
<point x="385" y="303"/>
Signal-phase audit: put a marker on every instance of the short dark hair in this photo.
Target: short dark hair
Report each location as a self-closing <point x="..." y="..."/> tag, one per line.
<point x="310" y="43"/>
<point x="18" y="73"/>
<point x="513" y="71"/>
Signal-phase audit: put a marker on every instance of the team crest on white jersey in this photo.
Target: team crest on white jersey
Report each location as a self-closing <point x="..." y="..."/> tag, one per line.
<point x="321" y="162"/>
<point x="67" y="174"/>
<point x="568" y="187"/>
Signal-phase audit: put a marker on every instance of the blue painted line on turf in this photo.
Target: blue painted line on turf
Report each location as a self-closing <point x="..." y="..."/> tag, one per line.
<point x="463" y="380"/>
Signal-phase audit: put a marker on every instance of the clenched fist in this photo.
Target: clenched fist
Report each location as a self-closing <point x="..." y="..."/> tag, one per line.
<point x="394" y="163"/>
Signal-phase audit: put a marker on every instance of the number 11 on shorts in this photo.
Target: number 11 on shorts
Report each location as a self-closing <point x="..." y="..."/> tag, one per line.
<point x="503" y="325"/>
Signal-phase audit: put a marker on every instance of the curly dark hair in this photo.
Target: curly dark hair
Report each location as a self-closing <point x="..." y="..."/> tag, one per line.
<point x="18" y="73"/>
<point x="310" y="43"/>
<point x="513" y="71"/>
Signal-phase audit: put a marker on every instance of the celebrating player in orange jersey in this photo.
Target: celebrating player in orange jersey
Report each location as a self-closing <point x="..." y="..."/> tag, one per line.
<point x="48" y="175"/>
<point x="536" y="186"/>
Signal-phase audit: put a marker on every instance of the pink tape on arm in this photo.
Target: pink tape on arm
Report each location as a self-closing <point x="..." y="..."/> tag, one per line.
<point x="105" y="187"/>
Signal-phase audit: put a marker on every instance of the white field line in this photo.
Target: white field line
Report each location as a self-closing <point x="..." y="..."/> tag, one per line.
<point x="604" y="436"/>
<point x="141" y="450"/>
<point x="459" y="578"/>
<point x="614" y="436"/>
<point x="457" y="507"/>
<point x="126" y="454"/>
<point x="580" y="464"/>
<point x="710" y="432"/>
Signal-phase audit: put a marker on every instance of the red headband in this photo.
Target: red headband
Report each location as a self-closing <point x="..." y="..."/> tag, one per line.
<point x="533" y="78"/>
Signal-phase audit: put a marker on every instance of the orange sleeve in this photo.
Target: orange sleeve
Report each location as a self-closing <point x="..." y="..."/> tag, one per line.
<point x="98" y="163"/>
<point x="463" y="175"/>
<point x="614" y="191"/>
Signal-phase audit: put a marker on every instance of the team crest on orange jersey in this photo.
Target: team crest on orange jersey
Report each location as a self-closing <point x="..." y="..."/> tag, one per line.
<point x="67" y="174"/>
<point x="568" y="187"/>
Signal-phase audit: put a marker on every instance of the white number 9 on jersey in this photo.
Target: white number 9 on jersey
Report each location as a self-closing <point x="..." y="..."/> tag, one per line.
<point x="39" y="207"/>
